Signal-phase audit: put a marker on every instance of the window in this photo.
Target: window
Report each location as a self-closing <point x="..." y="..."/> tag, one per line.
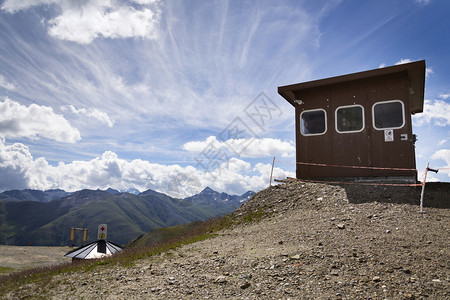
<point x="313" y="122"/>
<point x="388" y="115"/>
<point x="349" y="118"/>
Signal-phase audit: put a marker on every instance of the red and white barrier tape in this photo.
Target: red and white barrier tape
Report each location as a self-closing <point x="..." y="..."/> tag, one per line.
<point x="351" y="167"/>
<point x="359" y="183"/>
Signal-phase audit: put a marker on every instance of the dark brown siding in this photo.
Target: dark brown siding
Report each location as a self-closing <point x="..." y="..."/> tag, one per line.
<point x="366" y="148"/>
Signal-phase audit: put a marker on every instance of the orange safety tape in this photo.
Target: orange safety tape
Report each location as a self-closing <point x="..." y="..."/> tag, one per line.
<point x="359" y="183"/>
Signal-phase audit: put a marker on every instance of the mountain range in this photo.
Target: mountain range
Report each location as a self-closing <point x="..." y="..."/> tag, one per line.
<point x="44" y="218"/>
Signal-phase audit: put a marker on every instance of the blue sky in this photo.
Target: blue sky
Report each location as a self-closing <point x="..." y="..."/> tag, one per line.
<point x="153" y="94"/>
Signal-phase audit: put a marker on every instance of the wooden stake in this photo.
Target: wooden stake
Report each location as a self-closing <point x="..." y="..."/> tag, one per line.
<point x="423" y="187"/>
<point x="271" y="172"/>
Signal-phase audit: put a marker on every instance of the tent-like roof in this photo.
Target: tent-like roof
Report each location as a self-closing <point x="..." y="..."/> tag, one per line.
<point x="97" y="249"/>
<point x="414" y="70"/>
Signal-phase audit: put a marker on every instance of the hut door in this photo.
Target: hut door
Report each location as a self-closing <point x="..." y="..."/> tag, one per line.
<point x="391" y="142"/>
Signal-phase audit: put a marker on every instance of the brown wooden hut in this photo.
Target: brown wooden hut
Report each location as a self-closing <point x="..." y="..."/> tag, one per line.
<point x="358" y="125"/>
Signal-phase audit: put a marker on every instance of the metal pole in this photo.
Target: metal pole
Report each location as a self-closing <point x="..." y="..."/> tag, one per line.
<point x="271" y="172"/>
<point x="423" y="188"/>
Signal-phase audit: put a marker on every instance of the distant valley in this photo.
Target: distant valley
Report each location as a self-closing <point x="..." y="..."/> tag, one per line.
<point x="44" y="218"/>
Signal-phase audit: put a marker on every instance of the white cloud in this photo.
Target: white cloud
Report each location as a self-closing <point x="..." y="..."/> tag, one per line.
<point x="443" y="154"/>
<point x="5" y="84"/>
<point x="403" y="61"/>
<point x="83" y="21"/>
<point x="444" y="96"/>
<point x="442" y="142"/>
<point x="424" y="2"/>
<point x="19" y="170"/>
<point x="15" y="160"/>
<point x="32" y="121"/>
<point x="254" y="148"/>
<point x="436" y="111"/>
<point x="198" y="146"/>
<point x="92" y="113"/>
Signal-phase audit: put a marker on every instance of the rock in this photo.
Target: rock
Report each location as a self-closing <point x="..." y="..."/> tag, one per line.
<point x="376" y="279"/>
<point x="248" y="276"/>
<point x="220" y="279"/>
<point x="295" y="257"/>
<point x="341" y="226"/>
<point x="245" y="285"/>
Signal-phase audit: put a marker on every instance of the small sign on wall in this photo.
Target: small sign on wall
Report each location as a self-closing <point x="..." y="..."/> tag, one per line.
<point x="389" y="135"/>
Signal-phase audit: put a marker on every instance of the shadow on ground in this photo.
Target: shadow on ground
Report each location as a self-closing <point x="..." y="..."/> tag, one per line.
<point x="437" y="194"/>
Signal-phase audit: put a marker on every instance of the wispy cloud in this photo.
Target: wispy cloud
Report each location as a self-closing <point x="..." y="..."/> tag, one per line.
<point x="34" y="121"/>
<point x="5" y="84"/>
<point x="13" y="6"/>
<point x="423" y="2"/>
<point x="442" y="142"/>
<point x="91" y="113"/>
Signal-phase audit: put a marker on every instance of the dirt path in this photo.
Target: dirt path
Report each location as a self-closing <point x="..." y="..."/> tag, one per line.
<point x="14" y="258"/>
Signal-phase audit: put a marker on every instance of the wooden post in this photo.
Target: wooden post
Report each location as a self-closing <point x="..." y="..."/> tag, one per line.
<point x="271" y="172"/>
<point x="72" y="236"/>
<point x="423" y="187"/>
<point x="85" y="235"/>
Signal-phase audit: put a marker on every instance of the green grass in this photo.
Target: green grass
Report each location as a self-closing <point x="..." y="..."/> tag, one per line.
<point x="5" y="269"/>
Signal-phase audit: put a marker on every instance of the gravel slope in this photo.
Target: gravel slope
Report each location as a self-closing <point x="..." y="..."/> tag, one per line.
<point x="313" y="244"/>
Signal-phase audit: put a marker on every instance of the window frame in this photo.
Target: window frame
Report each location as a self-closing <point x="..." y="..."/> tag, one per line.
<point x="384" y="102"/>
<point x="301" y="122"/>
<point x="348" y="106"/>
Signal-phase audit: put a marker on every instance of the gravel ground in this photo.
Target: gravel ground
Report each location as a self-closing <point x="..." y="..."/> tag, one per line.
<point x="314" y="243"/>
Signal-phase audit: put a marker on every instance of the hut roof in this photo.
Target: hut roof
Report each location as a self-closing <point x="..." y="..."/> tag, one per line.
<point x="414" y="70"/>
<point x="91" y="251"/>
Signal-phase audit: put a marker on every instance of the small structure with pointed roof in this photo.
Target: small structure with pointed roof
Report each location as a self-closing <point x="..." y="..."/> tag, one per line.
<point x="98" y="249"/>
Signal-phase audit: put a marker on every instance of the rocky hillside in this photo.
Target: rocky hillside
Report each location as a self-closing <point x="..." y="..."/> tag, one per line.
<point x="312" y="241"/>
